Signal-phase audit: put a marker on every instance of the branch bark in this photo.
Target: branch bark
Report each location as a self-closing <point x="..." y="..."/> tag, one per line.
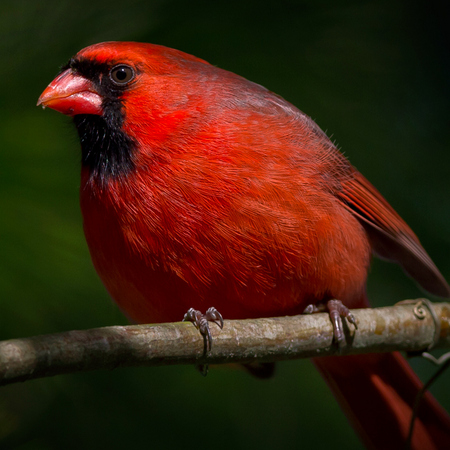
<point x="379" y="330"/>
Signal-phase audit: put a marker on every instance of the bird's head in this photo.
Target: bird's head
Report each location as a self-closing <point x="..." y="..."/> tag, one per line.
<point x="115" y="92"/>
<point x="105" y="73"/>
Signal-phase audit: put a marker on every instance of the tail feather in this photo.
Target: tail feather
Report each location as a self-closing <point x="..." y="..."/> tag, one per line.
<point x="377" y="393"/>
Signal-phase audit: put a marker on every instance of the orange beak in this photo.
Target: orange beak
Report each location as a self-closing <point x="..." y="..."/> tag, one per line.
<point x="71" y="94"/>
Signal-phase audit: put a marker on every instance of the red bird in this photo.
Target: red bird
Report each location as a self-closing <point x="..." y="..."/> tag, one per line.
<point x="200" y="188"/>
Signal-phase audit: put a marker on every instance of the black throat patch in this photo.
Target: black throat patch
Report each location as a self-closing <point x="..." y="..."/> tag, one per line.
<point x="106" y="149"/>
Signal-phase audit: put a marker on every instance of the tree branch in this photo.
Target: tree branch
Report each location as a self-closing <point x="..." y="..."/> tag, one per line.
<point x="274" y="339"/>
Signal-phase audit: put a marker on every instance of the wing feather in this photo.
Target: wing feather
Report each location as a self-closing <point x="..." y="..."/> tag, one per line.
<point x="390" y="236"/>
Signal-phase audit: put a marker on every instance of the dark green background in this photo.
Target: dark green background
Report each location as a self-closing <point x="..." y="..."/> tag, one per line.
<point x="374" y="75"/>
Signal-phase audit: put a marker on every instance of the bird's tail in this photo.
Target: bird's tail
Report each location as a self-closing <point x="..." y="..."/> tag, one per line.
<point x="377" y="393"/>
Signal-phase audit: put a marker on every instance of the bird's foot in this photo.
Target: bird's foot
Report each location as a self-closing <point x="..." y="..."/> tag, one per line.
<point x="337" y="312"/>
<point x="201" y="322"/>
<point x="312" y="309"/>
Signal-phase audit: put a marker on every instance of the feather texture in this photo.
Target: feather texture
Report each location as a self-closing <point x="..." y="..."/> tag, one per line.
<point x="200" y="188"/>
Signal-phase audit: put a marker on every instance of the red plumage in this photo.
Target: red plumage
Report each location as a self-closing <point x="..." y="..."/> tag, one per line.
<point x="201" y="188"/>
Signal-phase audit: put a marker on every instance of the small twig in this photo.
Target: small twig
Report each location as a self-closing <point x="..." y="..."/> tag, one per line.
<point x="240" y="341"/>
<point x="443" y="367"/>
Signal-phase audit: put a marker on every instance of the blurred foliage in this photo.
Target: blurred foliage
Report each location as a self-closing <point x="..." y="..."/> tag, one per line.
<point x="375" y="75"/>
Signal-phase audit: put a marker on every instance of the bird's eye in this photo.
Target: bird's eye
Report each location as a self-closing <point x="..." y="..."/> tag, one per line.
<point x="121" y="75"/>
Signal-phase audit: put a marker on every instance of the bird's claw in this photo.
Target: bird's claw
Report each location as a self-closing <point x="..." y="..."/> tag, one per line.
<point x="312" y="309"/>
<point x="201" y="322"/>
<point x="337" y="311"/>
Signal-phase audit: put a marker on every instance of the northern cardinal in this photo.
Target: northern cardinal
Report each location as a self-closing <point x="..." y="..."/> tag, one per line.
<point x="201" y="188"/>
